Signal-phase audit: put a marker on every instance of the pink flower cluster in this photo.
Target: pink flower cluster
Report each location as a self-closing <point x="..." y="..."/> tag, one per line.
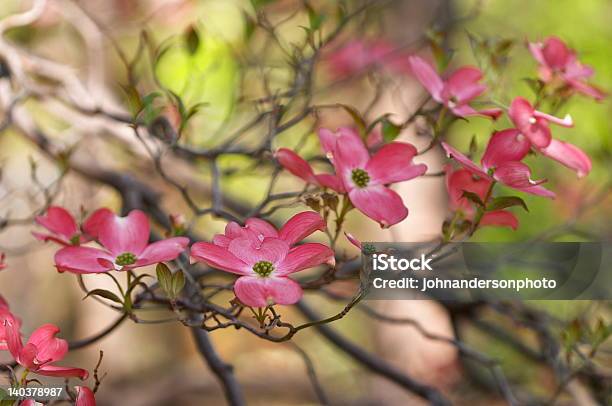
<point x="124" y="241"/>
<point x="362" y="177"/>
<point x="40" y="352"/>
<point x="264" y="257"/>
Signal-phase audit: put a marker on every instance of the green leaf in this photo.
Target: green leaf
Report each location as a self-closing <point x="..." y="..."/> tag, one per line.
<point x="164" y="277"/>
<point x="133" y="99"/>
<point x="390" y="131"/>
<point x="503" y="202"/>
<point x="192" y="39"/>
<point x="178" y="283"/>
<point x="104" y="294"/>
<point x="473" y="147"/>
<point x="473" y="197"/>
<point x="356" y="116"/>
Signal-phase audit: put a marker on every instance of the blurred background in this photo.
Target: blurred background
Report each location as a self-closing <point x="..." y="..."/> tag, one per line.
<point x="210" y="54"/>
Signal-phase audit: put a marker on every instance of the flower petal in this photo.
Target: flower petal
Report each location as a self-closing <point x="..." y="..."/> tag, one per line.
<point x="350" y="153"/>
<point x="261" y="227"/>
<point x="125" y="234"/>
<point x="164" y="250"/>
<point x="534" y="128"/>
<point x="92" y="225"/>
<point x="517" y="175"/>
<point x="502" y="218"/>
<point x="271" y="249"/>
<point x="465" y="110"/>
<point x="393" y="163"/>
<point x="301" y="226"/>
<point x="504" y="146"/>
<point x="219" y="258"/>
<point x="380" y="204"/>
<point x="353" y="240"/>
<point x="82" y="260"/>
<point x="462" y="180"/>
<point x="588" y="90"/>
<point x="85" y="396"/>
<point x="303" y="257"/>
<point x="555" y="53"/>
<point x="463" y="84"/>
<point x="295" y="164"/>
<point x="569" y="155"/>
<point x="59" y="221"/>
<point x="330" y="181"/>
<point x="260" y="292"/>
<point x="428" y="77"/>
<point x="465" y="161"/>
<point x="64" y="372"/>
<point x="49" y="348"/>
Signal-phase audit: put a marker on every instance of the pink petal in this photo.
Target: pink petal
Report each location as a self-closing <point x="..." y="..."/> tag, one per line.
<point x="59" y="221"/>
<point x="82" y="260"/>
<point x="330" y="181"/>
<point x="261" y="227"/>
<point x="295" y="164"/>
<point x="12" y="334"/>
<point x="125" y="234"/>
<point x="555" y="53"/>
<point x="588" y="90"/>
<point x="30" y="402"/>
<point x="465" y="161"/>
<point x="164" y="250"/>
<point x="380" y="204"/>
<point x="63" y="372"/>
<point x="463" y="86"/>
<point x="536" y="50"/>
<point x="351" y="153"/>
<point x="569" y="155"/>
<point x="504" y="146"/>
<point x="260" y="292"/>
<point x="428" y="77"/>
<point x="301" y="226"/>
<point x="500" y="218"/>
<point x="353" y="240"/>
<point x="271" y="249"/>
<point x="85" y="396"/>
<point x="393" y="163"/>
<point x="465" y="110"/>
<point x="517" y="175"/>
<point x="219" y="258"/>
<point x="305" y="256"/>
<point x="49" y="237"/>
<point x="49" y="348"/>
<point x="463" y="180"/>
<point x="327" y="139"/>
<point x="564" y="122"/>
<point x="92" y="225"/>
<point x="221" y="240"/>
<point x="534" y="128"/>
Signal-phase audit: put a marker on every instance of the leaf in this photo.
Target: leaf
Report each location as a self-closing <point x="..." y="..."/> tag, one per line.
<point x="503" y="202"/>
<point x="315" y="19"/>
<point x="164" y="277"/>
<point x="354" y="113"/>
<point x="104" y="294"/>
<point x="390" y="131"/>
<point x="473" y="197"/>
<point x="600" y="333"/>
<point x="178" y="283"/>
<point x="192" y="39"/>
<point x="473" y="147"/>
<point x="133" y="99"/>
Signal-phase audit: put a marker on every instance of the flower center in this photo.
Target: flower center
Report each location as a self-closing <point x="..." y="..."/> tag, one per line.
<point x="263" y="268"/>
<point x="532" y="120"/>
<point x="127" y="258"/>
<point x="360" y="177"/>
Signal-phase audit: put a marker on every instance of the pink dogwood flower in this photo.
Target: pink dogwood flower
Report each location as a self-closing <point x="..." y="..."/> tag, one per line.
<point x="30" y="402"/>
<point x="560" y="63"/>
<point x="63" y="228"/>
<point x="460" y="180"/>
<point x="40" y="351"/>
<point x="85" y="396"/>
<point x="501" y="162"/>
<point x="265" y="257"/>
<point x="362" y="177"/>
<point x="6" y="317"/>
<point x="534" y="125"/>
<point x="125" y="245"/>
<point x="455" y="92"/>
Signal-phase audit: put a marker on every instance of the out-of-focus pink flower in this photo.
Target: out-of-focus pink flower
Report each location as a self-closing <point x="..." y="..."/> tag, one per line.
<point x="358" y="55"/>
<point x="62" y="226"/>
<point x="366" y="178"/>
<point x="460" y="180"/>
<point x="30" y="402"/>
<point x="302" y="169"/>
<point x="534" y="124"/>
<point x="558" y="62"/>
<point x="2" y="263"/>
<point x="265" y="257"/>
<point x="457" y="91"/>
<point x="85" y="396"/>
<point x="6" y="317"/>
<point x="125" y="242"/>
<point x="40" y="351"/>
<point x="502" y="165"/>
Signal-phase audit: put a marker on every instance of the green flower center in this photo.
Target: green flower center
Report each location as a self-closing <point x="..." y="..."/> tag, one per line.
<point x="368" y="249"/>
<point x="263" y="268"/>
<point x="360" y="177"/>
<point x="127" y="258"/>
